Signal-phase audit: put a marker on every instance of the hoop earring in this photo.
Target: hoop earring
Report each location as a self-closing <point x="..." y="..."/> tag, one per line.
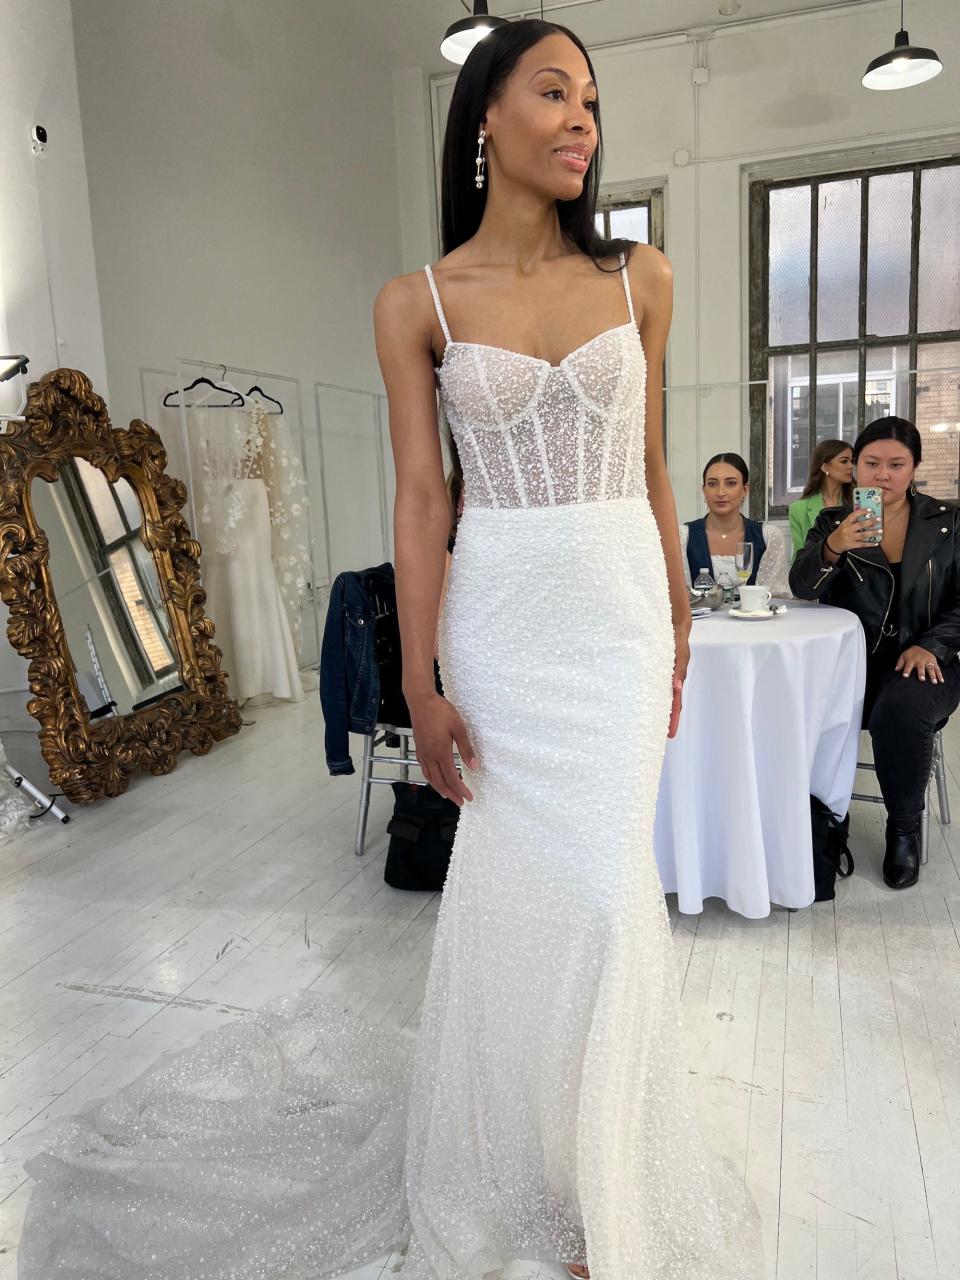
<point x="481" y="160"/>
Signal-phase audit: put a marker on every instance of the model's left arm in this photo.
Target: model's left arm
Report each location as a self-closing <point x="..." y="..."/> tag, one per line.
<point x="774" y="571"/>
<point x="651" y="283"/>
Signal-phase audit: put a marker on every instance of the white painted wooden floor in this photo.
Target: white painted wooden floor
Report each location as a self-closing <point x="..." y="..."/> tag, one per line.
<point x="824" y="1043"/>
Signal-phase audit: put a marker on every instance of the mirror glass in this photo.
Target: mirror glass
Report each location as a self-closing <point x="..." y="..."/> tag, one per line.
<point x="107" y="590"/>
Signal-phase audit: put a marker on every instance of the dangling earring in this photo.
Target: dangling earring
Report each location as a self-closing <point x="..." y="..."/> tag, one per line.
<point x="481" y="160"/>
<point x="913" y="487"/>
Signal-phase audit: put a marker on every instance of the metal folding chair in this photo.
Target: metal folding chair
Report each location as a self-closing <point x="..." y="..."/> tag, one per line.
<point x="392" y="729"/>
<point x="938" y="774"/>
<point x="403" y="760"/>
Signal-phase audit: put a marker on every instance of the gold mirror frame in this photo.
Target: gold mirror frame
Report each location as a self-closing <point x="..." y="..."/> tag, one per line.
<point x="88" y="760"/>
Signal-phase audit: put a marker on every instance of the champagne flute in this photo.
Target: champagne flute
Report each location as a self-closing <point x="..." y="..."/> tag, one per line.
<point x="744" y="561"/>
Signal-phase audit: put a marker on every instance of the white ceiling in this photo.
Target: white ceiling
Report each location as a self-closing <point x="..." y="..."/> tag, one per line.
<point x="410" y="30"/>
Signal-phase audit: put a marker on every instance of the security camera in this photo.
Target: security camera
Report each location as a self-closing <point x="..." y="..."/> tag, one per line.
<point x="38" y="137"/>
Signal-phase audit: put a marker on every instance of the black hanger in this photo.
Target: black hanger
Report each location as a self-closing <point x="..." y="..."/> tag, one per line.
<point x="236" y="403"/>
<point x="257" y="390"/>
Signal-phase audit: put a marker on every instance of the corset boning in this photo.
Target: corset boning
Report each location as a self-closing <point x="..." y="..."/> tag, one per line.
<point x="532" y="434"/>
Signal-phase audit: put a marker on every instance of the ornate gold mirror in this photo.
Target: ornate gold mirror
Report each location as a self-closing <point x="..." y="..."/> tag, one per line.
<point x="100" y="574"/>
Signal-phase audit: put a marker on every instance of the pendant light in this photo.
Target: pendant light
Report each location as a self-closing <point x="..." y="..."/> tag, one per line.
<point x="464" y="35"/>
<point x="903" y="66"/>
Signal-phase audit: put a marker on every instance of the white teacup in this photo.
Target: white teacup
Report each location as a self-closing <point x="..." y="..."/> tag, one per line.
<point x="754" y="599"/>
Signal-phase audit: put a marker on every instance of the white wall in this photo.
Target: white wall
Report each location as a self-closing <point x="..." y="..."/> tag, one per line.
<point x="419" y="234"/>
<point x="243" y="184"/>
<point x="47" y="267"/>
<point x="778" y="91"/>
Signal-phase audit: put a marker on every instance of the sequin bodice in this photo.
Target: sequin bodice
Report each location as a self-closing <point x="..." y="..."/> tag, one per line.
<point x="532" y="434"/>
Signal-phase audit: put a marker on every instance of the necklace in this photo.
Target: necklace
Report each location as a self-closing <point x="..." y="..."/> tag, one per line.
<point x="724" y="536"/>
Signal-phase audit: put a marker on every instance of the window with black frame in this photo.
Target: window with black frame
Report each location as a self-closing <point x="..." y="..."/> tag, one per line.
<point x="110" y="517"/>
<point x="639" y="217"/>
<point x="855" y="315"/>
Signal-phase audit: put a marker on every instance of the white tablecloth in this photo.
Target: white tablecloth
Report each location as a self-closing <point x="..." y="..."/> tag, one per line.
<point x="771" y="715"/>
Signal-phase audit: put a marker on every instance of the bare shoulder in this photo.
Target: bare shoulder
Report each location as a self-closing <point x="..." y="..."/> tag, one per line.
<point x="647" y="266"/>
<point x="651" y="285"/>
<point x="402" y="299"/>
<point x="405" y="326"/>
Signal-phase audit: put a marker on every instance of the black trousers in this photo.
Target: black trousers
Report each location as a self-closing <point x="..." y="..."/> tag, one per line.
<point x="902" y="717"/>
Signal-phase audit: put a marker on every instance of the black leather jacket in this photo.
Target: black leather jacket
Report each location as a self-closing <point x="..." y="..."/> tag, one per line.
<point x="861" y="580"/>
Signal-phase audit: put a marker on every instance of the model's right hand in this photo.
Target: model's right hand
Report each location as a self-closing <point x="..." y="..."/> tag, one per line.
<point x="437" y="727"/>
<point x="856" y="531"/>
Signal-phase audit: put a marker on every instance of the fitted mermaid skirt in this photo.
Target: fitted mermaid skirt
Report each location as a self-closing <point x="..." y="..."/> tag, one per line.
<point x="549" y="1117"/>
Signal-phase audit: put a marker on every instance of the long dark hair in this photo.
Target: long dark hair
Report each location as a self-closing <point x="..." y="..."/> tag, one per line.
<point x="454" y="488"/>
<point x="826" y="451"/>
<point x="899" y="429"/>
<point x="732" y="460"/>
<point x="480" y="83"/>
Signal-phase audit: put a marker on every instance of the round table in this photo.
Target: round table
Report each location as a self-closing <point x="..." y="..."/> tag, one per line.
<point x="771" y="716"/>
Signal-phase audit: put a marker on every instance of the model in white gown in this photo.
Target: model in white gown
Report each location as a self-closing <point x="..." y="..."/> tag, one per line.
<point x="543" y="1111"/>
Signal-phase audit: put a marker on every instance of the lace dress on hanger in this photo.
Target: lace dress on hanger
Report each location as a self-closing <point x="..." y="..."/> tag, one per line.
<point x="250" y="503"/>
<point x="543" y="1111"/>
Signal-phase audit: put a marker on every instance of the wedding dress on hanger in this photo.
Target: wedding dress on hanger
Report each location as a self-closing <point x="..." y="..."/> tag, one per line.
<point x="250" y="503"/>
<point x="543" y="1110"/>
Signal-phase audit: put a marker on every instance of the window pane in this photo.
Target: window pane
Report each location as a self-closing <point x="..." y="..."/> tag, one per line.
<point x="837" y="378"/>
<point x="598" y="223"/>
<point x="138" y="609"/>
<point x="632" y="223"/>
<point x="887" y="390"/>
<point x="838" y="260"/>
<point x="938" y="301"/>
<point x="130" y="503"/>
<point x="789" y="265"/>
<point x="888" y="253"/>
<point x="788" y="426"/>
<point x="938" y="418"/>
<point x="97" y="488"/>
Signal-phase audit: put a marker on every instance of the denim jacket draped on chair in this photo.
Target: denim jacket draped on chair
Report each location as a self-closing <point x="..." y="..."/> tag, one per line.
<point x="349" y="671"/>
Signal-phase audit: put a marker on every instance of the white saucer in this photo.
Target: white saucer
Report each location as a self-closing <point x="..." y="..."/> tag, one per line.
<point x="756" y="615"/>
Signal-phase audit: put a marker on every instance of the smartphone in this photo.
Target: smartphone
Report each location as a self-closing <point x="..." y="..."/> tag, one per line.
<point x="869" y="499"/>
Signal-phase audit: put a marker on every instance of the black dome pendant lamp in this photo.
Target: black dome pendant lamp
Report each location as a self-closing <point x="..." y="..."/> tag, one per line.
<point x="903" y="66"/>
<point x="462" y="36"/>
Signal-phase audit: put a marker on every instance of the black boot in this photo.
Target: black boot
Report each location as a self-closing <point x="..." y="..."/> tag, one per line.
<point x="901" y="862"/>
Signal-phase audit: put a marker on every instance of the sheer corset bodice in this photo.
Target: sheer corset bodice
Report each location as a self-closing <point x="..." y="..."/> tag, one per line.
<point x="532" y="434"/>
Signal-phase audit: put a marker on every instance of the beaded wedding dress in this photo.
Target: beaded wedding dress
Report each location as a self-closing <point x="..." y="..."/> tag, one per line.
<point x="542" y="1112"/>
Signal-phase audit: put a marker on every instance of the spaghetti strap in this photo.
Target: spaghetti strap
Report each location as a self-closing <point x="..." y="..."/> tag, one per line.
<point x="626" y="287"/>
<point x="436" y="302"/>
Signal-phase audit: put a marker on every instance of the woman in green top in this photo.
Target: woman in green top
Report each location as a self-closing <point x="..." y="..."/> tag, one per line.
<point x="829" y="484"/>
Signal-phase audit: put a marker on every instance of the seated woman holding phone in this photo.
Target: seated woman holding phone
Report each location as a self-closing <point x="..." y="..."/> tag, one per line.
<point x="893" y="559"/>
